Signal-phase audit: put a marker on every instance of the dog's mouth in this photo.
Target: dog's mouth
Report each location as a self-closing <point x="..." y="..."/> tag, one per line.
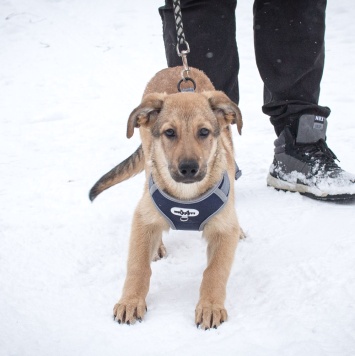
<point x="177" y="178"/>
<point x="187" y="172"/>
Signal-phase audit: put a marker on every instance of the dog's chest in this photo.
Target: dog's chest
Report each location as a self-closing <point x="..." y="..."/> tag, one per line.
<point x="191" y="215"/>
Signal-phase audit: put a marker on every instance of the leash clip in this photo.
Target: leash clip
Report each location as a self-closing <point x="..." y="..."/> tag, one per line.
<point x="183" y="54"/>
<point x="185" y="73"/>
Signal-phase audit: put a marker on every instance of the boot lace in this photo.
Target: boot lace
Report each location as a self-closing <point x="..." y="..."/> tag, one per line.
<point x="319" y="155"/>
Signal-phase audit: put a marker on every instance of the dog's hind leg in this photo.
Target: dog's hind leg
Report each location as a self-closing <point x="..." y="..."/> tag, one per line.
<point x="161" y="252"/>
<point x="144" y="243"/>
<point x="128" y="168"/>
<point x="210" y="311"/>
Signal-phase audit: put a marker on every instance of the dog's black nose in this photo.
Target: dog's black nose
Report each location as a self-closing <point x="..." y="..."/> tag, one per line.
<point x="188" y="169"/>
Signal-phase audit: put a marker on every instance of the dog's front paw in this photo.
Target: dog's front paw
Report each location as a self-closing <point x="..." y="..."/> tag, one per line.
<point x="210" y="315"/>
<point x="128" y="310"/>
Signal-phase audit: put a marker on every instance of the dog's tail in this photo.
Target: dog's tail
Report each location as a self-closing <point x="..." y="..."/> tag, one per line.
<point x="128" y="168"/>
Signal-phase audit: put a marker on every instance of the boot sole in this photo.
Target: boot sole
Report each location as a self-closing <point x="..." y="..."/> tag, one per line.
<point x="310" y="192"/>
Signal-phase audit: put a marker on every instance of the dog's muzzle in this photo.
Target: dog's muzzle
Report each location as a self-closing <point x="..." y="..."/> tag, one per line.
<point x="188" y="171"/>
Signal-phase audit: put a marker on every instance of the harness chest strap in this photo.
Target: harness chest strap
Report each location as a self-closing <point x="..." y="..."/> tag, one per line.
<point x="191" y="214"/>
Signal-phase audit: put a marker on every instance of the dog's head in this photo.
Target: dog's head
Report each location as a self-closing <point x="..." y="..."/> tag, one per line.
<point x="183" y="130"/>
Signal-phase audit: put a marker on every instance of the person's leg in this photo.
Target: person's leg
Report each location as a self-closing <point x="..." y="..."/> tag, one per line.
<point x="210" y="30"/>
<point x="289" y="49"/>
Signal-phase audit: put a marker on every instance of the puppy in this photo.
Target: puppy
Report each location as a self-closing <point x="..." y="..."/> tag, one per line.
<point x="187" y="155"/>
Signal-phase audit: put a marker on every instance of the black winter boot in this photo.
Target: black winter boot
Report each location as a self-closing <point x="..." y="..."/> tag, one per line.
<point x="303" y="163"/>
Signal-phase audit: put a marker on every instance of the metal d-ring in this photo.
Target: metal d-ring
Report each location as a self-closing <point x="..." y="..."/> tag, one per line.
<point x="186" y="80"/>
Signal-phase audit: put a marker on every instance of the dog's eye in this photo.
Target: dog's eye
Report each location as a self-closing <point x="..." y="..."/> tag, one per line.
<point x="170" y="133"/>
<point x="204" y="132"/>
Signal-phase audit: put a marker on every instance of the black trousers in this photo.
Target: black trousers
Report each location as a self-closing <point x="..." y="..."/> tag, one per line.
<point x="289" y="51"/>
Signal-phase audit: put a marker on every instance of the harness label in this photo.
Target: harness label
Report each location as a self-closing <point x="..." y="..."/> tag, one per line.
<point x="184" y="213"/>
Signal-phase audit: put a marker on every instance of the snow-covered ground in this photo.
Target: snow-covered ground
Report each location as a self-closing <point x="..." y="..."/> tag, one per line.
<point x="71" y="71"/>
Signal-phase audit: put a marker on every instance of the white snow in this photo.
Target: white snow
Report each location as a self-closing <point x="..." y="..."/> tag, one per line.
<point x="71" y="71"/>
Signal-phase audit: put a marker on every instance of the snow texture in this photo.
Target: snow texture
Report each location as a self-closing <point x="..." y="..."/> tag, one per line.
<point x="71" y="71"/>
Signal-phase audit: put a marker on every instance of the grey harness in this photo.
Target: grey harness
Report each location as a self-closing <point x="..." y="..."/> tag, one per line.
<point x="191" y="214"/>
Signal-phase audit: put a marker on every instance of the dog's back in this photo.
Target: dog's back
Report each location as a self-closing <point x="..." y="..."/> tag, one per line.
<point x="166" y="81"/>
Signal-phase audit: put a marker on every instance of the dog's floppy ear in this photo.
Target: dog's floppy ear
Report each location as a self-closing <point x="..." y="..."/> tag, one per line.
<point x="146" y="112"/>
<point x="224" y="108"/>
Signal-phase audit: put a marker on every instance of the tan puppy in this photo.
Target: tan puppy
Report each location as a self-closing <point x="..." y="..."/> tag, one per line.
<point x="186" y="152"/>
